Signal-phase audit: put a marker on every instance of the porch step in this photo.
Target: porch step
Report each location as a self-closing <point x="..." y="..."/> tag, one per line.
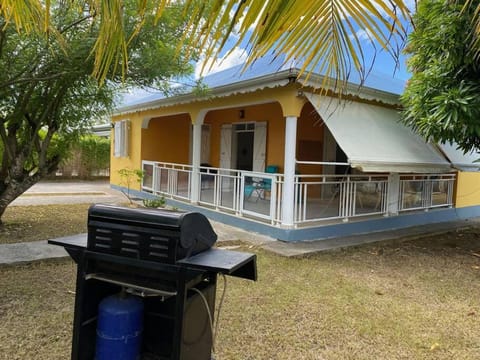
<point x="301" y="248"/>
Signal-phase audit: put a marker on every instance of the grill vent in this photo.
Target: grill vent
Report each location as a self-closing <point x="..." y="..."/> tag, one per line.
<point x="138" y="244"/>
<point x="148" y="234"/>
<point x="103" y="239"/>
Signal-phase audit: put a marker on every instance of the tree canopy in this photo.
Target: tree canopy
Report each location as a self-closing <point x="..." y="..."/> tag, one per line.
<point x="48" y="96"/>
<point x="325" y="35"/>
<point x="441" y="100"/>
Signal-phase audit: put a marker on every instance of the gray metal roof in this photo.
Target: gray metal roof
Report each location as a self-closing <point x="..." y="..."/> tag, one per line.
<point x="262" y="71"/>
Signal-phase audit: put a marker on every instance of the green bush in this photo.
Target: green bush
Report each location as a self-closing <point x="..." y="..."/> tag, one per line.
<point x="154" y="203"/>
<point x="87" y="157"/>
<point x="95" y="153"/>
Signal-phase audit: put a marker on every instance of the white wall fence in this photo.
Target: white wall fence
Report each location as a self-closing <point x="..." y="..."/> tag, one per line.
<point x="317" y="197"/>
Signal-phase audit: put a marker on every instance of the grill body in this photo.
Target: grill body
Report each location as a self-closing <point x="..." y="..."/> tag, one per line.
<point x="164" y="257"/>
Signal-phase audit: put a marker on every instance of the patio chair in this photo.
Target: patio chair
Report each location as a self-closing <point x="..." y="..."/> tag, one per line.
<point x="260" y="186"/>
<point x="248" y="190"/>
<point x="267" y="183"/>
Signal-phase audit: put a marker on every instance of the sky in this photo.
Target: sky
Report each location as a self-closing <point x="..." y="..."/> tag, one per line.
<point x="383" y="63"/>
<point x="236" y="55"/>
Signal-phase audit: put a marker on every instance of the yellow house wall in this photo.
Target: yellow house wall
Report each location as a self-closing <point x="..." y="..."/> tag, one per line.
<point x="309" y="140"/>
<point x="286" y="96"/>
<point x="172" y="131"/>
<point x="468" y="189"/>
<point x="167" y="139"/>
<point x="133" y="161"/>
<point x="270" y="113"/>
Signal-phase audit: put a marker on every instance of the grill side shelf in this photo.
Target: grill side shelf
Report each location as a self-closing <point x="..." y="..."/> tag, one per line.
<point x="233" y="263"/>
<point x="74" y="245"/>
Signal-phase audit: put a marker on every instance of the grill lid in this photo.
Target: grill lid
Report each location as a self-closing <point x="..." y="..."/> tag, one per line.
<point x="146" y="233"/>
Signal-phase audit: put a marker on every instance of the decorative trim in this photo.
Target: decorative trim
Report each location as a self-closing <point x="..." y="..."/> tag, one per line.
<point x="272" y="80"/>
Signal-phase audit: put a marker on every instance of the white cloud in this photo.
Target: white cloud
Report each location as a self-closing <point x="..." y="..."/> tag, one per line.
<point x="236" y="57"/>
<point x="364" y="35"/>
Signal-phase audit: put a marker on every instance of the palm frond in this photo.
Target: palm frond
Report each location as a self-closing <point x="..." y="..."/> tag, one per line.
<point x="27" y="15"/>
<point x="474" y="5"/>
<point x="321" y="35"/>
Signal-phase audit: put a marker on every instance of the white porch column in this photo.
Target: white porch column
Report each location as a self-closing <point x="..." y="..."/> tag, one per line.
<point x="288" y="201"/>
<point x="196" y="152"/>
<point x="393" y="194"/>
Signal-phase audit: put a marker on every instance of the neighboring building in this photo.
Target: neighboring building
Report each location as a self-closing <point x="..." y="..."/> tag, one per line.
<point x="102" y="130"/>
<point x="264" y="151"/>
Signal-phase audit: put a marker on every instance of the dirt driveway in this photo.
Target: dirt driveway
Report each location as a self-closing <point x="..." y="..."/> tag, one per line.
<point x="69" y="192"/>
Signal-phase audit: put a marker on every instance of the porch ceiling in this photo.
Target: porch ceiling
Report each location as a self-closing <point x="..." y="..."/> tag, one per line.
<point x="374" y="140"/>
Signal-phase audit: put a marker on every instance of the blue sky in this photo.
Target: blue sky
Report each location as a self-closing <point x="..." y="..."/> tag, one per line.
<point x="383" y="63"/>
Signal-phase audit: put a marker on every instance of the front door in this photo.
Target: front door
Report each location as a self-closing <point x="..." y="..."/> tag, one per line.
<point x="243" y="146"/>
<point x="244" y="151"/>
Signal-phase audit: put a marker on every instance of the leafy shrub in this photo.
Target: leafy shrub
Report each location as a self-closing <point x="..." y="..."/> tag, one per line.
<point x="154" y="203"/>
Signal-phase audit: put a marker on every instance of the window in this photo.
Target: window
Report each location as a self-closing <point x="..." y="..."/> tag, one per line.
<point x="120" y="139"/>
<point x="246" y="126"/>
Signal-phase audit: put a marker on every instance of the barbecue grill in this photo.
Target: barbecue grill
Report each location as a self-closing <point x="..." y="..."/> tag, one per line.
<point x="166" y="258"/>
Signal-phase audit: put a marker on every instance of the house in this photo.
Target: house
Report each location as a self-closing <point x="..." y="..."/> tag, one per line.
<point x="265" y="151"/>
<point x="102" y="130"/>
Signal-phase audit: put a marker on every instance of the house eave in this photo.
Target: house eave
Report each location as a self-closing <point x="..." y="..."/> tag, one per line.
<point x="277" y="79"/>
<point x="362" y="91"/>
<point x="281" y="78"/>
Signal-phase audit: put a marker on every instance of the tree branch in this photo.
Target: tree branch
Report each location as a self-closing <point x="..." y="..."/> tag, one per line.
<point x="79" y="21"/>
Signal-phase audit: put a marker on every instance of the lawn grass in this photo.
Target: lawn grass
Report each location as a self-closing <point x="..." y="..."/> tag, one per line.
<point x="408" y="300"/>
<point x="42" y="222"/>
<point x="403" y="302"/>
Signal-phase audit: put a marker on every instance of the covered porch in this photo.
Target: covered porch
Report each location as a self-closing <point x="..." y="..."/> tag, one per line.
<point x="329" y="164"/>
<point x="265" y="152"/>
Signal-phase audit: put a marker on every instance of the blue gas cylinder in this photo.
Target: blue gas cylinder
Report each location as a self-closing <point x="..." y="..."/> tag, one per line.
<point x="119" y="328"/>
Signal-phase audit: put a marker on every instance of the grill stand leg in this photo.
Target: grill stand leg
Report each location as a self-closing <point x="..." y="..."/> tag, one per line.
<point x="179" y="311"/>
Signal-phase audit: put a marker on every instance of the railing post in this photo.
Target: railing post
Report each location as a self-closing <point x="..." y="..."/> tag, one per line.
<point x="289" y="171"/>
<point x="427" y="193"/>
<point x="393" y="193"/>
<point x="450" y="184"/>
<point x="196" y="147"/>
<point x="156" y="179"/>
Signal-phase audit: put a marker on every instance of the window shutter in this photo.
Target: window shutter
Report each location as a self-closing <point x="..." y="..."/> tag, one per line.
<point x="121" y="138"/>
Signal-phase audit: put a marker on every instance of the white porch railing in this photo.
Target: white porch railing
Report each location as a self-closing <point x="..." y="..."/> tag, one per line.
<point x="167" y="179"/>
<point x="423" y="192"/>
<point x="327" y="197"/>
<point x="317" y="197"/>
<point x="244" y="193"/>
